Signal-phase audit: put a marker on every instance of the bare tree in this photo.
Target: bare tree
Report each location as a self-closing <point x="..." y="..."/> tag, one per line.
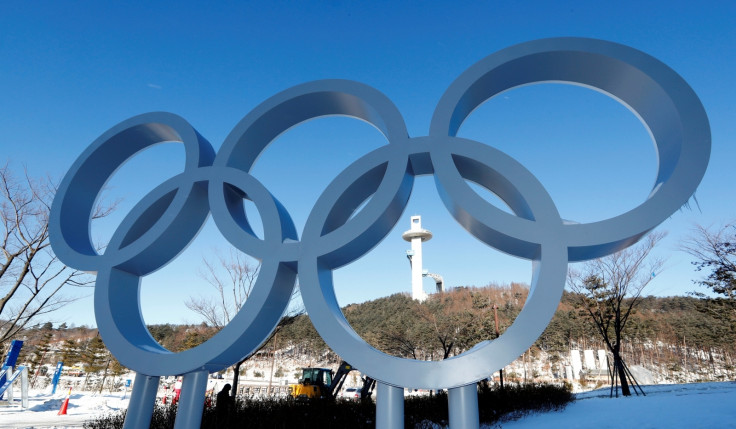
<point x="608" y="290"/>
<point x="715" y="250"/>
<point x="233" y="277"/>
<point x="31" y="277"/>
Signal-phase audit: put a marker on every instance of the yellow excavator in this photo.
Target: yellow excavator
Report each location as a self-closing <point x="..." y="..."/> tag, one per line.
<point x="323" y="383"/>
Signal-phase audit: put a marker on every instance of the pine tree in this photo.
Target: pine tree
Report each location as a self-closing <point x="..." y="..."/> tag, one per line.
<point x="114" y="368"/>
<point x="41" y="353"/>
<point x="93" y="355"/>
<point x="193" y="339"/>
<point x="70" y="352"/>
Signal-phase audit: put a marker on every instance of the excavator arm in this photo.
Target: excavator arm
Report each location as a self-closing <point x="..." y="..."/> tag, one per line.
<point x="339" y="379"/>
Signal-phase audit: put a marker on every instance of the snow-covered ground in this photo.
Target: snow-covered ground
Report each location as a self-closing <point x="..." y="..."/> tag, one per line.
<point x="703" y="405"/>
<point x="698" y="405"/>
<point x="43" y="409"/>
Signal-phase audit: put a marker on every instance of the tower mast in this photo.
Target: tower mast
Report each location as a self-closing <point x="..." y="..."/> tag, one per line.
<point x="416" y="236"/>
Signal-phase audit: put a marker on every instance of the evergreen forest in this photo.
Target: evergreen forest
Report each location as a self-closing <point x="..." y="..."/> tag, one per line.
<point x="663" y="331"/>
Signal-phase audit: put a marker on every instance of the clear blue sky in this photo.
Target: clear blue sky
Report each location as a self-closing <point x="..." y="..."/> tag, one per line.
<point x="69" y="71"/>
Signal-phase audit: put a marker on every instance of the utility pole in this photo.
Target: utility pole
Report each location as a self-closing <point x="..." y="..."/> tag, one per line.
<point x="684" y="346"/>
<point x="273" y="360"/>
<point x="495" y="317"/>
<point x="38" y="370"/>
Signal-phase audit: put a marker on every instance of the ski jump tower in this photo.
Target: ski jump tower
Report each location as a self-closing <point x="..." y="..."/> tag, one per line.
<point x="416" y="236"/>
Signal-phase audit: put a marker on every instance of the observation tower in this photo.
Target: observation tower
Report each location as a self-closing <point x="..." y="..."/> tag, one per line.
<point x="416" y="236"/>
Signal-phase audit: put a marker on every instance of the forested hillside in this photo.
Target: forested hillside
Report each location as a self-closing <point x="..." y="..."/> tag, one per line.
<point x="448" y="324"/>
<point x="672" y="332"/>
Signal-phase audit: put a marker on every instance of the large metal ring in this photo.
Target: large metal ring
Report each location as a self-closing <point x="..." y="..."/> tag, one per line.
<point x="359" y="208"/>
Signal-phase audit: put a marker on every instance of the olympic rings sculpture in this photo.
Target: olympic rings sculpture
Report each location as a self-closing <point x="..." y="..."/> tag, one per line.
<point x="160" y="226"/>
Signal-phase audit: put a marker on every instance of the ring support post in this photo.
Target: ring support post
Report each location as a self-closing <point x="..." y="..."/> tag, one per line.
<point x="142" y="401"/>
<point x="191" y="402"/>
<point x="389" y="407"/>
<point x="463" y="407"/>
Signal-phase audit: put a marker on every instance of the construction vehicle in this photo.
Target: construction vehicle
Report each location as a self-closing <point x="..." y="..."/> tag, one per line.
<point x="323" y="383"/>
